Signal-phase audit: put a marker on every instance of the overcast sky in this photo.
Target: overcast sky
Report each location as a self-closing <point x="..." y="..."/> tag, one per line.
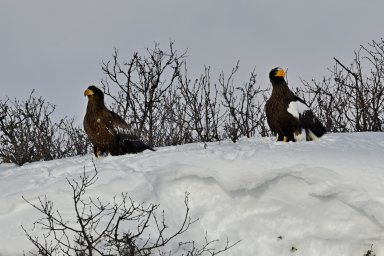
<point x="56" y="47"/>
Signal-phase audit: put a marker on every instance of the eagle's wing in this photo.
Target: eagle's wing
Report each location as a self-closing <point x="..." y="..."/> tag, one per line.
<point x="270" y="115"/>
<point x="129" y="142"/>
<point x="118" y="126"/>
<point x="301" y="111"/>
<point x="311" y="122"/>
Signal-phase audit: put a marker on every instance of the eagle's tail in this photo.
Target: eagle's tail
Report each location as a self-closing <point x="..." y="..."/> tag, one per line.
<point x="312" y="123"/>
<point x="135" y="146"/>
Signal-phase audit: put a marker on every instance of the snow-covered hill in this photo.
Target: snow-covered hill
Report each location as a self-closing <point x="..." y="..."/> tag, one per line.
<point x="322" y="198"/>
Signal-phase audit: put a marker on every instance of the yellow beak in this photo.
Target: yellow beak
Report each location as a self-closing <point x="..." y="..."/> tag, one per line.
<point x="280" y="73"/>
<point x="88" y="92"/>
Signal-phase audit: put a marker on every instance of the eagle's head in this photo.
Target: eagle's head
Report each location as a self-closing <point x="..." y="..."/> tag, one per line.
<point x="94" y="92"/>
<point x="276" y="75"/>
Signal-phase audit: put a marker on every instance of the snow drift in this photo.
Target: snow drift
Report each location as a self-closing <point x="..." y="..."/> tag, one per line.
<point x="310" y="198"/>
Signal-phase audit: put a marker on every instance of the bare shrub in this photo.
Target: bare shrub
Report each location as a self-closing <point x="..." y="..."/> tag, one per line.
<point x="74" y="141"/>
<point x="352" y="99"/>
<point x="202" y="108"/>
<point x="121" y="227"/>
<point x="28" y="134"/>
<point x="154" y="94"/>
<point x="328" y="103"/>
<point x="138" y="88"/>
<point x="164" y="106"/>
<point x="245" y="107"/>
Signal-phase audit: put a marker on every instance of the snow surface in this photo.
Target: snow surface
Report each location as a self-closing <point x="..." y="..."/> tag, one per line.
<point x="323" y="198"/>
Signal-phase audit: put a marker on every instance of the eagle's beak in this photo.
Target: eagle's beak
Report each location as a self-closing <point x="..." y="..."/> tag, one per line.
<point x="280" y="73"/>
<point x="88" y="92"/>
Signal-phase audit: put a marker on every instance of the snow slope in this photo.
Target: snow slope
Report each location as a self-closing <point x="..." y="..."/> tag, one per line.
<point x="322" y="198"/>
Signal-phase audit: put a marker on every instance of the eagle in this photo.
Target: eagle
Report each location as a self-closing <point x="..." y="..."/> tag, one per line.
<point x="106" y="130"/>
<point x="288" y="116"/>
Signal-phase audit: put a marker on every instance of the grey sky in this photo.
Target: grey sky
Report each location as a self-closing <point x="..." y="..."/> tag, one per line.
<point x="56" y="47"/>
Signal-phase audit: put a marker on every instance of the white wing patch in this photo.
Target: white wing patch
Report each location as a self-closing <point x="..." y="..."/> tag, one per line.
<point x="296" y="108"/>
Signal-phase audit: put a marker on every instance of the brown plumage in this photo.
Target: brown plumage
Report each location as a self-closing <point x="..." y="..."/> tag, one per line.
<point x="288" y="116"/>
<point x="107" y="131"/>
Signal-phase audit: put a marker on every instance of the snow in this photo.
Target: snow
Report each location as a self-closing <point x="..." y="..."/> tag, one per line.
<point x="323" y="197"/>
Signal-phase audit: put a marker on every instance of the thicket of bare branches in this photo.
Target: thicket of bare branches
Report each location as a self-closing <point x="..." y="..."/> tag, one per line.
<point x="352" y="99"/>
<point x="167" y="107"/>
<point x="245" y="107"/>
<point x="28" y="134"/>
<point x="156" y="96"/>
<point x="121" y="227"/>
<point x="142" y="85"/>
<point x="199" y="101"/>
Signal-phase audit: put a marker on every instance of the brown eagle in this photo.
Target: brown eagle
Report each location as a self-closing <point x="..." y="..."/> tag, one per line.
<point x="288" y="116"/>
<point x="107" y="131"/>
